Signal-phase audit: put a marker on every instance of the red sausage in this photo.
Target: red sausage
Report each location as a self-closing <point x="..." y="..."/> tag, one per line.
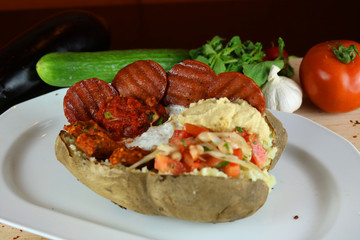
<point x="188" y="82"/>
<point x="141" y="80"/>
<point x="235" y="85"/>
<point x="82" y="100"/>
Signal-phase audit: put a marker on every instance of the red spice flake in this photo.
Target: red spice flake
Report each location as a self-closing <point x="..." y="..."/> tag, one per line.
<point x="296" y="217"/>
<point x="16" y="237"/>
<point x="355" y="136"/>
<point x="21" y="230"/>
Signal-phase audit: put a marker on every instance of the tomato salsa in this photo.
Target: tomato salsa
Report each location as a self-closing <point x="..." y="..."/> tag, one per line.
<point x="196" y="147"/>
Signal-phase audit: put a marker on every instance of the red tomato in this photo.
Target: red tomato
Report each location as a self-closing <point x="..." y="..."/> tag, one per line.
<point x="243" y="133"/>
<point x="187" y="159"/>
<point x="273" y="52"/>
<point x="167" y="164"/>
<point x="213" y="161"/>
<point x="259" y="154"/>
<point x="191" y="163"/>
<point x="331" y="84"/>
<point x="193" y="129"/>
<point x="238" y="152"/>
<point x="232" y="170"/>
<point x="180" y="134"/>
<point x="183" y="143"/>
<point x="182" y="139"/>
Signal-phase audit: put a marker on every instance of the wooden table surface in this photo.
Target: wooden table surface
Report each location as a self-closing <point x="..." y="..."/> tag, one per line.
<point x="346" y="124"/>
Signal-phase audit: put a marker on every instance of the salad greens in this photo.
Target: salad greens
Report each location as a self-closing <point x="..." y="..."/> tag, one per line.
<point x="237" y="56"/>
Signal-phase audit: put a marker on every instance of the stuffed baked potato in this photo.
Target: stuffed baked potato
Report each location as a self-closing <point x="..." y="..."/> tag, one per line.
<point x="196" y="197"/>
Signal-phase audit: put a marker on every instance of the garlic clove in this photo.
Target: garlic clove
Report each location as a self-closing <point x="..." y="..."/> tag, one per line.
<point x="282" y="93"/>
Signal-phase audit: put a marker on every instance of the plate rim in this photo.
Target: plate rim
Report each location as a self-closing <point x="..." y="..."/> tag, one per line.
<point x="51" y="233"/>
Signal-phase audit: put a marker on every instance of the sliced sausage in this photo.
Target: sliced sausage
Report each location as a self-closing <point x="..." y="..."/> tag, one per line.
<point x="188" y="82"/>
<point x="82" y="100"/>
<point x="235" y="85"/>
<point x="141" y="80"/>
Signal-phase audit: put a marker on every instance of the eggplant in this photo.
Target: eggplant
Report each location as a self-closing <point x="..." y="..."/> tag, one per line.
<point x="74" y="31"/>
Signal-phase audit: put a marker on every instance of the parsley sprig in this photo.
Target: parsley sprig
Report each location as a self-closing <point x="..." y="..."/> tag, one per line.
<point x="237" y="56"/>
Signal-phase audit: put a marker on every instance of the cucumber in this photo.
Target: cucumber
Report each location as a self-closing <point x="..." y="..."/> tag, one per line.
<point x="63" y="69"/>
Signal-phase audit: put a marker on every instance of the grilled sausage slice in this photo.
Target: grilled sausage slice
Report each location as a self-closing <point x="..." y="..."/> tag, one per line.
<point x="188" y="82"/>
<point x="142" y="79"/>
<point x="82" y="100"/>
<point x="234" y="85"/>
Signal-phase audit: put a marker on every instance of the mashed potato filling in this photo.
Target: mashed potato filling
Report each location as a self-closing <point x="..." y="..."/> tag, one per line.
<point x="222" y="115"/>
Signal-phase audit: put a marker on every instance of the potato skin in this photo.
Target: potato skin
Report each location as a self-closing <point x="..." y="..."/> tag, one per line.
<point x="280" y="139"/>
<point x="192" y="198"/>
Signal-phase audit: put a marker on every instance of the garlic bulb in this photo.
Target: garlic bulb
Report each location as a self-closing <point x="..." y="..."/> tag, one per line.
<point x="282" y="93"/>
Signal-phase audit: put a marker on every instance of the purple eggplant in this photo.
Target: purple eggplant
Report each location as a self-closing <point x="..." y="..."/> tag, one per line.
<point x="74" y="31"/>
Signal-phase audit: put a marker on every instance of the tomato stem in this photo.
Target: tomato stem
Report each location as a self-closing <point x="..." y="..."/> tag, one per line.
<point x="345" y="54"/>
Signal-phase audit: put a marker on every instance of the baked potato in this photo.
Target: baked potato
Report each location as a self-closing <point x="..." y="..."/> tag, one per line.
<point x="189" y="197"/>
<point x="213" y="167"/>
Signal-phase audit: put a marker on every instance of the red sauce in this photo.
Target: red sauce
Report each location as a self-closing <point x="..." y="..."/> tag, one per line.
<point x="98" y="144"/>
<point x="80" y="127"/>
<point x="92" y="139"/>
<point x="127" y="117"/>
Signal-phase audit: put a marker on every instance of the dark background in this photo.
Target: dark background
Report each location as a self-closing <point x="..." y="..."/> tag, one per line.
<point x="183" y="24"/>
<point x="189" y="24"/>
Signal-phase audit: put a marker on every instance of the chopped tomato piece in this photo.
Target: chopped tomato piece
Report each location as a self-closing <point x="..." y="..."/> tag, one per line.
<point x="180" y="134"/>
<point x="183" y="143"/>
<point x="191" y="163"/>
<point x="243" y="133"/>
<point x="193" y="129"/>
<point x="197" y="165"/>
<point x="213" y="161"/>
<point x="187" y="159"/>
<point x="238" y="152"/>
<point x="232" y="170"/>
<point x="169" y="165"/>
<point x="259" y="154"/>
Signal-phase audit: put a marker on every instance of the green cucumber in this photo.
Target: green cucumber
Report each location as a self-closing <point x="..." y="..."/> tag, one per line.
<point x="63" y="69"/>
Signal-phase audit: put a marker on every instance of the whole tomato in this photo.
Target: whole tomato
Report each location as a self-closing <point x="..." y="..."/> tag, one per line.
<point x="273" y="53"/>
<point x="332" y="85"/>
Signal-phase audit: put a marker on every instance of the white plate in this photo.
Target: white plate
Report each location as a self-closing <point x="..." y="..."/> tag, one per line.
<point x="318" y="181"/>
